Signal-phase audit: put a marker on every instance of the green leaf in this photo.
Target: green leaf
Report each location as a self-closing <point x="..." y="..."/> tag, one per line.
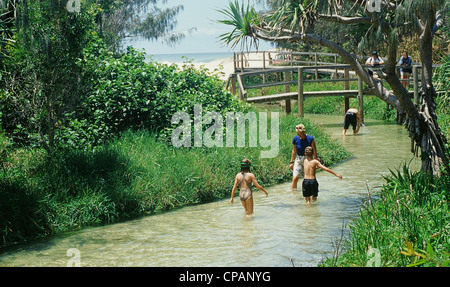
<point x="420" y="262"/>
<point x="242" y="19"/>
<point x="430" y="250"/>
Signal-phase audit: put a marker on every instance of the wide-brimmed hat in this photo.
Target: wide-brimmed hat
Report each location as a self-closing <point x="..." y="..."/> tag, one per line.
<point x="300" y="128"/>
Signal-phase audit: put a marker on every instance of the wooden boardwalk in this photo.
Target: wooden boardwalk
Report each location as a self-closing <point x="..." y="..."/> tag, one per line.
<point x="263" y="68"/>
<point x="294" y="96"/>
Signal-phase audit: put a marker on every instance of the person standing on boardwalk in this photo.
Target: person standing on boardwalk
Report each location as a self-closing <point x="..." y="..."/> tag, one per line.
<point x="406" y="70"/>
<point x="352" y="117"/>
<point x="374" y="61"/>
<point x="300" y="142"/>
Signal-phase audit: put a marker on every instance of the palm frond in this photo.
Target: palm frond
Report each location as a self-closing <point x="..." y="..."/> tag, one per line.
<point x="242" y="18"/>
<point x="295" y="14"/>
<point x="409" y="9"/>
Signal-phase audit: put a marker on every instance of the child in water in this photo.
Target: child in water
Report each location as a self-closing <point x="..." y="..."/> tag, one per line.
<point x="310" y="184"/>
<point x="244" y="180"/>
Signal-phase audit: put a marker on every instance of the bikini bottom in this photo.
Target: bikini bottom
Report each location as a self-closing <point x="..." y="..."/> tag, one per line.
<point x="245" y="194"/>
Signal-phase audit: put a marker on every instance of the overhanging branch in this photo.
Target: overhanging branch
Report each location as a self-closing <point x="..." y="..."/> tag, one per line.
<point x="345" y="20"/>
<point x="380" y="90"/>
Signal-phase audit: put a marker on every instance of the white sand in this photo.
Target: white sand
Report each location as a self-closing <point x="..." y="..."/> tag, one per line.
<point x="224" y="67"/>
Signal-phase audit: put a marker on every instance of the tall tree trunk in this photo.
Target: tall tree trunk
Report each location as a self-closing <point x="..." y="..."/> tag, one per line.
<point x="426" y="131"/>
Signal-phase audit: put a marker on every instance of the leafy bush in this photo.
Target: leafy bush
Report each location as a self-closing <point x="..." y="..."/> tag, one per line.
<point x="411" y="213"/>
<point x="127" y="92"/>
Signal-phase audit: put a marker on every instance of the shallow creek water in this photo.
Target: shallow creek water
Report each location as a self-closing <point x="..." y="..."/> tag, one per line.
<point x="283" y="231"/>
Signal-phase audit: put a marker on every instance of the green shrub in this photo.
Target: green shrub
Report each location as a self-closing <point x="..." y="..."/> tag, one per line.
<point x="409" y="215"/>
<point x="127" y="92"/>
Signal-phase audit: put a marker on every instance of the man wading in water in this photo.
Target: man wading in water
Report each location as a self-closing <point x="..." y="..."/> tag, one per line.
<point x="300" y="142"/>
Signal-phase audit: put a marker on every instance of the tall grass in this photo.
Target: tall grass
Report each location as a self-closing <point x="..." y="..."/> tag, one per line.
<point x="131" y="176"/>
<point x="408" y="224"/>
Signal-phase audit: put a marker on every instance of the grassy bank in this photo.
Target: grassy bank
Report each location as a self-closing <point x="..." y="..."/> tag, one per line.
<point x="407" y="223"/>
<point x="128" y="177"/>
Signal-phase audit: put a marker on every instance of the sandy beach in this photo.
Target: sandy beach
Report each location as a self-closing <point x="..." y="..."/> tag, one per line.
<point x="224" y="67"/>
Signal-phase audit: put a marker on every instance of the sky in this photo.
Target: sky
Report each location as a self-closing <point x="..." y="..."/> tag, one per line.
<point x="202" y="15"/>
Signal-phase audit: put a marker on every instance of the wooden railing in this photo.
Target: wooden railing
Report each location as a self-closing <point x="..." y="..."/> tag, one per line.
<point x="272" y="59"/>
<point x="288" y="79"/>
<point x="287" y="64"/>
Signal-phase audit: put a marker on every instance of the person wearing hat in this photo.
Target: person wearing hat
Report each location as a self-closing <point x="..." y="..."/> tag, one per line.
<point x="374" y="61"/>
<point x="300" y="142"/>
<point x="406" y="63"/>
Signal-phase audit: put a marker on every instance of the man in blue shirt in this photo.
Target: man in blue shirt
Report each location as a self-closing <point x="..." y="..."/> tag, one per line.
<point x="300" y="142"/>
<point x="405" y="60"/>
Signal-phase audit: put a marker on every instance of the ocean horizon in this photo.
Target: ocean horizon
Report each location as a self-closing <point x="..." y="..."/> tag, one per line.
<point x="190" y="57"/>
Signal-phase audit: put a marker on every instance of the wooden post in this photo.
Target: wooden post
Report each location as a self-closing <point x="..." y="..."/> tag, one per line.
<point x="301" y="113"/>
<point x="361" y="98"/>
<point x="287" y="89"/>
<point x="347" y="87"/>
<point x="264" y="66"/>
<point x="242" y="62"/>
<point x="264" y="60"/>
<point x="315" y="62"/>
<point x="335" y="62"/>
<point x="416" y="84"/>
<point x="347" y="77"/>
<point x="241" y="88"/>
<point x="233" y="83"/>
<point x="234" y="62"/>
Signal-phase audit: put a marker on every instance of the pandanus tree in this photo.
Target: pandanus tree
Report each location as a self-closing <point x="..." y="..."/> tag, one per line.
<point x="386" y="21"/>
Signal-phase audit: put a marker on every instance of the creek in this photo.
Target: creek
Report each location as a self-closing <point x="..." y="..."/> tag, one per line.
<point x="284" y="231"/>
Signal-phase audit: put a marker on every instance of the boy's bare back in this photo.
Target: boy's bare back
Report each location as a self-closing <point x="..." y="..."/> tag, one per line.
<point x="311" y="165"/>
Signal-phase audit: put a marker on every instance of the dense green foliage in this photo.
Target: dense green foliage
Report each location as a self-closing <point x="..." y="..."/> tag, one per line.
<point x="40" y="78"/>
<point x="120" y="20"/>
<point x="61" y="87"/>
<point x="126" y="92"/>
<point x="442" y="76"/>
<point x="407" y="222"/>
